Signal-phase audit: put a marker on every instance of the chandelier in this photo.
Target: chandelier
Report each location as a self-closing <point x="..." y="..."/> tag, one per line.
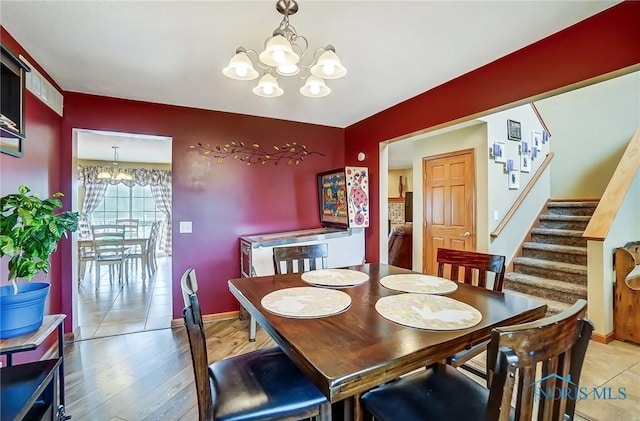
<point x="115" y="173"/>
<point x="283" y="55"/>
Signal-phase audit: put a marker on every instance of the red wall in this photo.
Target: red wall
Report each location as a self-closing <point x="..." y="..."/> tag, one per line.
<point x="224" y="201"/>
<point x="39" y="168"/>
<point x="604" y="43"/>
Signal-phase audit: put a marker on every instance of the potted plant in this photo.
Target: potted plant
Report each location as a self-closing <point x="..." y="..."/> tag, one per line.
<point x="30" y="230"/>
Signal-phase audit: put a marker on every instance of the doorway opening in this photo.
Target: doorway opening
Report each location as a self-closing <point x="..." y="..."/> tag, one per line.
<point x="122" y="180"/>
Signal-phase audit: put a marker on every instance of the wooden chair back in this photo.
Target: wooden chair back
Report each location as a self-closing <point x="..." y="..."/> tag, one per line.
<point x="189" y="285"/>
<point x="198" y="346"/>
<point x="475" y="267"/>
<point x="558" y="344"/>
<point x="130" y="226"/>
<point x="305" y="258"/>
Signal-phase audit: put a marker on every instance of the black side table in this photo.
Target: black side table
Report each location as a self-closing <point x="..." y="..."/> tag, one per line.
<point x="31" y="376"/>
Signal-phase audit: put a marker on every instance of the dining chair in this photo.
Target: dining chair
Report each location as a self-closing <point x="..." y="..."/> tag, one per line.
<point x="477" y="269"/>
<point x="258" y="385"/>
<point x="152" y="245"/>
<point x="86" y="254"/>
<point x="130" y="226"/>
<point x="109" y="248"/>
<point x="556" y="346"/>
<point x="294" y="259"/>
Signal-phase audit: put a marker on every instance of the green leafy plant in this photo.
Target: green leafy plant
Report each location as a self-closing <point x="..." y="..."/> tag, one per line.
<point x="30" y="230"/>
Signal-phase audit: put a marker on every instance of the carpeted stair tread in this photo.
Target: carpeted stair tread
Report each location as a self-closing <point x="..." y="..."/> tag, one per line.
<point x="550" y="265"/>
<point x="553" y="307"/>
<point x="585" y="204"/>
<point x="556" y="248"/>
<point x="580" y="218"/>
<point x="538" y="282"/>
<point x="557" y="232"/>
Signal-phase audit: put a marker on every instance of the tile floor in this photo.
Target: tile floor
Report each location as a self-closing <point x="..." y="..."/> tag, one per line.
<point x="135" y="306"/>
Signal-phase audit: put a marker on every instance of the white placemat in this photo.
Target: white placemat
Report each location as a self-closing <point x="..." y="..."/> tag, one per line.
<point x="425" y="311"/>
<point x="335" y="277"/>
<point x="306" y="302"/>
<point x="418" y="283"/>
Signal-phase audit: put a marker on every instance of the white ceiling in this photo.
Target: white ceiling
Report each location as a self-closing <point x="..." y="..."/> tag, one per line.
<point x="173" y="52"/>
<point x="97" y="145"/>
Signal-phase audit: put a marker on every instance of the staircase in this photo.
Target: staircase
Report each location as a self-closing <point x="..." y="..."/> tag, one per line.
<point x="553" y="266"/>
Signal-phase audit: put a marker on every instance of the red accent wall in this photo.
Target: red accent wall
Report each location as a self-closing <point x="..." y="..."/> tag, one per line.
<point x="224" y="201"/>
<point x="39" y="168"/>
<point x="604" y="43"/>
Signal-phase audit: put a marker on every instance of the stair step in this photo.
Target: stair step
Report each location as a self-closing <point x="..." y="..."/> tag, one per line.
<point x="553" y="307"/>
<point x="572" y="208"/>
<point x="558" y="236"/>
<point x="568" y="272"/>
<point x="555" y="252"/>
<point x="565" y="292"/>
<point x="566" y="222"/>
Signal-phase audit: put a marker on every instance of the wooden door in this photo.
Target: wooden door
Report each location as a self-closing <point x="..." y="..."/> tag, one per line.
<point x="449" y="205"/>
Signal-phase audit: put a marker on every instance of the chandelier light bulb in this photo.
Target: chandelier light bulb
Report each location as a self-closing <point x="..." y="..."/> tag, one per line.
<point x="278" y="51"/>
<point x="268" y="87"/>
<point x="240" y="67"/>
<point x="315" y="87"/>
<point x="288" y="69"/>
<point x="329" y="68"/>
<point x="328" y="65"/>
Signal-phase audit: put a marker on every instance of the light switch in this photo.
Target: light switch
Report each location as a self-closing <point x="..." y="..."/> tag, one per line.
<point x="495" y="215"/>
<point x="186" y="227"/>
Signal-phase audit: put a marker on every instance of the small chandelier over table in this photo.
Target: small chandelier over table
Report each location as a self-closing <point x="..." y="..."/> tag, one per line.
<point x="283" y="55"/>
<point x="115" y="173"/>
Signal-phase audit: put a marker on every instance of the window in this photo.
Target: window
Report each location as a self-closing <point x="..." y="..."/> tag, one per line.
<point x="124" y="202"/>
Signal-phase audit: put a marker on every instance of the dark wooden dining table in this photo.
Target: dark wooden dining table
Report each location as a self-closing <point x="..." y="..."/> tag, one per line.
<point x="349" y="353"/>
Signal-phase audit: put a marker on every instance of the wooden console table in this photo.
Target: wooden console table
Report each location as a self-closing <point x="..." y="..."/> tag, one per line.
<point x="38" y="377"/>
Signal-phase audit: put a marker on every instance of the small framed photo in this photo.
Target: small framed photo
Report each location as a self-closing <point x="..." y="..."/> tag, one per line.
<point x="514" y="180"/>
<point x="534" y="153"/>
<point x="524" y="148"/>
<point x="509" y="165"/>
<point x="545" y="136"/>
<point x="525" y="163"/>
<point x="498" y="152"/>
<point x="536" y="141"/>
<point x="514" y="131"/>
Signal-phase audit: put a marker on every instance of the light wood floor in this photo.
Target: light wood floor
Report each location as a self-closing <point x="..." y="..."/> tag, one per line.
<point x="148" y="375"/>
<point x="113" y="308"/>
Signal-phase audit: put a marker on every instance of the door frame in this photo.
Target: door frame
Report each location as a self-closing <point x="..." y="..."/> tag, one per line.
<point x="425" y="185"/>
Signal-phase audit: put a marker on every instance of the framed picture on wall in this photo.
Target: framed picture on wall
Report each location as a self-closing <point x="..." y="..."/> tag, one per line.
<point x="525" y="163"/>
<point x="534" y="153"/>
<point x="509" y="165"/>
<point x="545" y="136"/>
<point x="524" y="148"/>
<point x="514" y="130"/>
<point x="536" y="140"/>
<point x="498" y="152"/>
<point x="514" y="180"/>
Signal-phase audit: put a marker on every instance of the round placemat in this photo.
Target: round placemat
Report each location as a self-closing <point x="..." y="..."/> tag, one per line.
<point x="306" y="302"/>
<point x="418" y="283"/>
<point x="335" y="277"/>
<point x="425" y="311"/>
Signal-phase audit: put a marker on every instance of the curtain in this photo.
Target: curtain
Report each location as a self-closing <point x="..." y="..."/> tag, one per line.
<point x="162" y="196"/>
<point x="159" y="180"/>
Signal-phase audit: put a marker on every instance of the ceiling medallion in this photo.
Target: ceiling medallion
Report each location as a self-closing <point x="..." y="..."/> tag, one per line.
<point x="283" y="55"/>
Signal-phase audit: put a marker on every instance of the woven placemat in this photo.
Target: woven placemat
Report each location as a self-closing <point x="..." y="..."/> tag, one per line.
<point x="306" y="302"/>
<point x="335" y="277"/>
<point x="425" y="311"/>
<point x="418" y="283"/>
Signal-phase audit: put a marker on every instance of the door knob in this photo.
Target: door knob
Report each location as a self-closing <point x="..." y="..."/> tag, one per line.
<point x="466" y="234"/>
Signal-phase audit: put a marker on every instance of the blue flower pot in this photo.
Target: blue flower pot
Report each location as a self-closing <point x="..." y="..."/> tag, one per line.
<point x="22" y="313"/>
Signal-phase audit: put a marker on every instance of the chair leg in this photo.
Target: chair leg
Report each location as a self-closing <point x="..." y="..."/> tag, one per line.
<point x="252" y="329"/>
<point x="82" y="267"/>
<point x="325" y="412"/>
<point x="474" y="371"/>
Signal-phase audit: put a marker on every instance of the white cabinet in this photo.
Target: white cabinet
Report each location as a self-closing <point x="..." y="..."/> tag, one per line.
<point x="346" y="248"/>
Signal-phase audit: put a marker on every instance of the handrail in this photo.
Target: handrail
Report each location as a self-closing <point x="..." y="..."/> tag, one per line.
<point x="613" y="195"/>
<point x="537" y="113"/>
<point x="512" y="211"/>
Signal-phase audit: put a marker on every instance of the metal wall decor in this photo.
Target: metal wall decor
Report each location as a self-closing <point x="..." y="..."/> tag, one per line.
<point x="291" y="153"/>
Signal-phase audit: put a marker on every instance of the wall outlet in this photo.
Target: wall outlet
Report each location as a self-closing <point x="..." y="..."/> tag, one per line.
<point x="186" y="227"/>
